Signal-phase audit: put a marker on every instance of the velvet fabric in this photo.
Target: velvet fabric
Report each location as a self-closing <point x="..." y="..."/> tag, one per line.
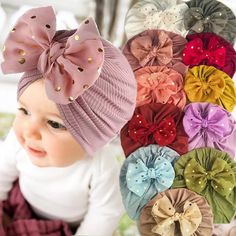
<point x="156" y="48"/>
<point x="211" y="173"/>
<point x="210" y="16"/>
<point x="155" y="114"/>
<point x="208" y="84"/>
<point x="178" y="198"/>
<point x="146" y="172"/>
<point x="159" y="84"/>
<point x="209" y="125"/>
<point x="151" y="14"/>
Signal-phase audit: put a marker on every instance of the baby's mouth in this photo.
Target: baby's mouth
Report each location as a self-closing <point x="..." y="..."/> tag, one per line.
<point x="35" y="152"/>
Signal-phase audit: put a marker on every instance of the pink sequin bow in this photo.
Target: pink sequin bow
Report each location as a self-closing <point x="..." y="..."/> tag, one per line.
<point x="69" y="65"/>
<point x="142" y="48"/>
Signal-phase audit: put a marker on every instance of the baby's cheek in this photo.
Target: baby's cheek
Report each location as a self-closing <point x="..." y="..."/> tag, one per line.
<point x="61" y="156"/>
<point x="54" y="149"/>
<point x="17" y="128"/>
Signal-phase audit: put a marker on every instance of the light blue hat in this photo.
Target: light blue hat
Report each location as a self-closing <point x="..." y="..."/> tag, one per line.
<point x="146" y="172"/>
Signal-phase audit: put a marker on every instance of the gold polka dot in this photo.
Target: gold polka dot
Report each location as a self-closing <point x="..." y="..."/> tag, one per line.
<point x="90" y="59"/>
<point x="85" y="86"/>
<point x="86" y="22"/>
<point x="48" y="26"/>
<point x="71" y="99"/>
<point x="21" y="60"/>
<point x="33" y="37"/>
<point x="100" y="49"/>
<point x="58" y="89"/>
<point x="13" y="30"/>
<point x="22" y="52"/>
<point x="76" y="37"/>
<point x="80" y="69"/>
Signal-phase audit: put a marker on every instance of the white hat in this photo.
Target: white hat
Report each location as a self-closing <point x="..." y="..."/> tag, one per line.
<point x="154" y="14"/>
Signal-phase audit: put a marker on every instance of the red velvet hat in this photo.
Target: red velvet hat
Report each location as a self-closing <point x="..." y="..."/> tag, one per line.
<point x="155" y="123"/>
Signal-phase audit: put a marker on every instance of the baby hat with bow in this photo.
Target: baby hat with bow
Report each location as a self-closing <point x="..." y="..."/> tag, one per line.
<point x="89" y="79"/>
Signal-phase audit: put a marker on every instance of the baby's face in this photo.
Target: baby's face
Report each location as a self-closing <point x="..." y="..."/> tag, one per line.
<point x="41" y="132"/>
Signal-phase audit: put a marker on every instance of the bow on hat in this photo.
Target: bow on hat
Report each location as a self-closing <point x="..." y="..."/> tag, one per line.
<point x="209" y="87"/>
<point x="148" y="50"/>
<point x="167" y="17"/>
<point x="163" y="19"/>
<point x="194" y="19"/>
<point x="69" y="65"/>
<point x="139" y="177"/>
<point x="220" y="176"/>
<point x="165" y="216"/>
<point x="144" y="132"/>
<point x="194" y="53"/>
<point x="156" y="84"/>
<point x="215" y="123"/>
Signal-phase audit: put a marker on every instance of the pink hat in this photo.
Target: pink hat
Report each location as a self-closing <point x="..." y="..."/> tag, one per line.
<point x="160" y="84"/>
<point x="156" y="48"/>
<point x="88" y="78"/>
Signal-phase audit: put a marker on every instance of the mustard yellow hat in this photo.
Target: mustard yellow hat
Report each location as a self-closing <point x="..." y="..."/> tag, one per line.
<point x="208" y="84"/>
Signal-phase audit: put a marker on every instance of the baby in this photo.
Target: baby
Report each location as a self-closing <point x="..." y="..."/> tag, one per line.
<point x="76" y="93"/>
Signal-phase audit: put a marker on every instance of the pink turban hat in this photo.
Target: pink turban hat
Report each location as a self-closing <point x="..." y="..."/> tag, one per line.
<point x="160" y="84"/>
<point x="156" y="48"/>
<point x="89" y="79"/>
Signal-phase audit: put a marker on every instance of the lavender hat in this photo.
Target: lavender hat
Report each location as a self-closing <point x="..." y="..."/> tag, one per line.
<point x="89" y="79"/>
<point x="208" y="125"/>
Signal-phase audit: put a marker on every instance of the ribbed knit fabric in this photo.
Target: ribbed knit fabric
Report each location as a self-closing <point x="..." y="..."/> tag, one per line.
<point x="96" y="116"/>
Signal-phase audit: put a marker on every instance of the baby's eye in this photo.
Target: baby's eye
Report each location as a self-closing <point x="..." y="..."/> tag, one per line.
<point x="56" y="125"/>
<point x="25" y="112"/>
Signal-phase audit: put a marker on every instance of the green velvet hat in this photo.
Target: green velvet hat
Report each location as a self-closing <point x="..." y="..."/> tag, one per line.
<point x="210" y="173"/>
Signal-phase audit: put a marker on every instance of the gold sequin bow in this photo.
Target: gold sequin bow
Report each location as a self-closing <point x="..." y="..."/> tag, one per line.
<point x="165" y="216"/>
<point x="69" y="61"/>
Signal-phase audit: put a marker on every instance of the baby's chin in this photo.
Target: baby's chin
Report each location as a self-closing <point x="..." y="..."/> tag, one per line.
<point x="46" y="162"/>
<point x="39" y="162"/>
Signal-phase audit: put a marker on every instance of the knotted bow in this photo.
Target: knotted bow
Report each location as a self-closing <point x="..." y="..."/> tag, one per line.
<point x="195" y="20"/>
<point x="208" y="87"/>
<point x="220" y="177"/>
<point x="165" y="216"/>
<point x="214" y="122"/>
<point x="139" y="177"/>
<point x="148" y="51"/>
<point x="69" y="65"/>
<point x="145" y="133"/>
<point x="194" y="53"/>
